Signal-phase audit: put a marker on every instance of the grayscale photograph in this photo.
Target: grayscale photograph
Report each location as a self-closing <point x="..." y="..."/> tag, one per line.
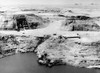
<point x="49" y="36"/>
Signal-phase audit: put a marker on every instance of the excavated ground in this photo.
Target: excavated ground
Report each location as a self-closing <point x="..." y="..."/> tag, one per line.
<point x="12" y="44"/>
<point x="52" y="44"/>
<point x="81" y="23"/>
<point x="22" y="21"/>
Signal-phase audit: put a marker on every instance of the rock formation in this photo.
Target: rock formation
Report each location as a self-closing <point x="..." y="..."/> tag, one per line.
<point x="80" y="23"/>
<point x="51" y="45"/>
<point x="21" y="22"/>
<point x="62" y="50"/>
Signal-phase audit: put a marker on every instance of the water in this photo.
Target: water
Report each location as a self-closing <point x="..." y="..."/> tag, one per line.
<point x="26" y="63"/>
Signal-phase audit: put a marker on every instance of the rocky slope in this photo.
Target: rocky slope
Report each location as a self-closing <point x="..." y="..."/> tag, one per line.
<point x="62" y="50"/>
<point x="12" y="44"/>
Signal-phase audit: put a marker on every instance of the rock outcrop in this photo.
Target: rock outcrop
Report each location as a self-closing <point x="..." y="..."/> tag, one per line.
<point x="80" y="23"/>
<point x="62" y="50"/>
<point x="21" y="22"/>
<point x="12" y="44"/>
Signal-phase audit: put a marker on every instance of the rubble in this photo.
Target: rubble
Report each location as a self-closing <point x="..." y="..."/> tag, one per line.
<point x="8" y="45"/>
<point x="12" y="44"/>
<point x="26" y="44"/>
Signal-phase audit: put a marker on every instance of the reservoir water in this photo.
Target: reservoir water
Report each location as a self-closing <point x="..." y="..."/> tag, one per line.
<point x="26" y="63"/>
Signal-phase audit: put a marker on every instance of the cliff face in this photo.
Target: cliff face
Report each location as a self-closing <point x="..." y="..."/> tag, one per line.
<point x="10" y="44"/>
